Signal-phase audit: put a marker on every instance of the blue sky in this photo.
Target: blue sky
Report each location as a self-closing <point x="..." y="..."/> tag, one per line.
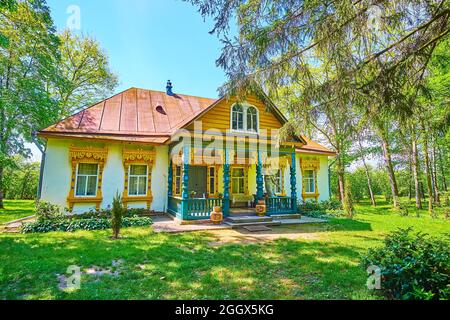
<point x="151" y="41"/>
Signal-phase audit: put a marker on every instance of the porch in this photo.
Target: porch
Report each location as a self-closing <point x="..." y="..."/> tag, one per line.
<point x="236" y="185"/>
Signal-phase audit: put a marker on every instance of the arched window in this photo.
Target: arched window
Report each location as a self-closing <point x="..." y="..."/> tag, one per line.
<point x="252" y="119"/>
<point x="238" y="117"/>
<point x="244" y="118"/>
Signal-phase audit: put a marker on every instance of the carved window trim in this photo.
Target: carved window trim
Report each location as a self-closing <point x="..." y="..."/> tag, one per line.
<point x="310" y="164"/>
<point x="92" y="155"/>
<point x="138" y="157"/>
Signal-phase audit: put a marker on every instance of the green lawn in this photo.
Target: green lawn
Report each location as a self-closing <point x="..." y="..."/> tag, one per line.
<point x="322" y="265"/>
<point x="15" y="209"/>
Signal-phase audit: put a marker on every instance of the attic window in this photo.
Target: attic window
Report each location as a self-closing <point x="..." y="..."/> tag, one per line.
<point x="161" y="110"/>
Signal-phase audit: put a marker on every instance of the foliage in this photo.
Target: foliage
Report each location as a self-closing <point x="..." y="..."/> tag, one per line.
<point x="319" y="209"/>
<point x="47" y="211"/>
<point x="86" y="77"/>
<point x="70" y="225"/>
<point x="21" y="179"/>
<point x="412" y="266"/>
<point x="43" y="77"/>
<point x="117" y="215"/>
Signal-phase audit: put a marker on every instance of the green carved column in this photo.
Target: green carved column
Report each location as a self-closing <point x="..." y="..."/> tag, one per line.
<point x="185" y="183"/>
<point x="294" y="182"/>
<point x="170" y="180"/>
<point x="226" y="185"/>
<point x="259" y="178"/>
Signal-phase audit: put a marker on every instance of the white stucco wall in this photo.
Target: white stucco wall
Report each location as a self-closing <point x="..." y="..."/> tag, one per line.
<point x="57" y="175"/>
<point x="322" y="179"/>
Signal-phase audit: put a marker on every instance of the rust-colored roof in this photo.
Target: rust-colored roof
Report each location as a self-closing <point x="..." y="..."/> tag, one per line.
<point x="143" y="116"/>
<point x="312" y="147"/>
<point x="134" y="112"/>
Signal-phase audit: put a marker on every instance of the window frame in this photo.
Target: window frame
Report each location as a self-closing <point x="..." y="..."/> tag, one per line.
<point x="211" y="181"/>
<point x="175" y="177"/>
<point x="306" y="181"/>
<point x="138" y="180"/>
<point x="77" y="175"/>
<point x="245" y="107"/>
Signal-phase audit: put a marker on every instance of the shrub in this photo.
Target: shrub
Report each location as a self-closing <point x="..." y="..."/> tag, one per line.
<point x="67" y="225"/>
<point x="332" y="204"/>
<point x="412" y="266"/>
<point x="47" y="211"/>
<point x="117" y="215"/>
<point x="320" y="209"/>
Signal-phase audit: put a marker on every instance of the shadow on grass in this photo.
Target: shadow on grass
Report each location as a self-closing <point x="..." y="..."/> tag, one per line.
<point x="16" y="209"/>
<point x="159" y="266"/>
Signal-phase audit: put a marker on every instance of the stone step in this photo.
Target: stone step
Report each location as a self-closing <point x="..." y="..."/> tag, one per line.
<point x="286" y="216"/>
<point x="248" y="224"/>
<point x="248" y="219"/>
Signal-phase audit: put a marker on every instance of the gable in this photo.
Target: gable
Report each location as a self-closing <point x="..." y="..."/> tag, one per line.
<point x="219" y="115"/>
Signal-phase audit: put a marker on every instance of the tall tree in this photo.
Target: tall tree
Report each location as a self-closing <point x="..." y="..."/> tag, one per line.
<point x="86" y="76"/>
<point x="362" y="156"/>
<point x="27" y="66"/>
<point x="373" y="49"/>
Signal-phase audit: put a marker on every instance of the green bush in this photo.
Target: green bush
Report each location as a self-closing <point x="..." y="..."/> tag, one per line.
<point x="47" y="211"/>
<point x="319" y="209"/>
<point x="413" y="267"/>
<point x="68" y="225"/>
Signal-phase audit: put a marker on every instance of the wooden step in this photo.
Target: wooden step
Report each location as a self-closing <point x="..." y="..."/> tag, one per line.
<point x="286" y="216"/>
<point x="247" y="224"/>
<point x="248" y="219"/>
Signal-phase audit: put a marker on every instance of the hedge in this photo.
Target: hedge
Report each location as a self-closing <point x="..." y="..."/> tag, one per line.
<point x="66" y="225"/>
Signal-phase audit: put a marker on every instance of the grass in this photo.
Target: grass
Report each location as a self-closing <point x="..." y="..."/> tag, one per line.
<point x="188" y="266"/>
<point x="16" y="209"/>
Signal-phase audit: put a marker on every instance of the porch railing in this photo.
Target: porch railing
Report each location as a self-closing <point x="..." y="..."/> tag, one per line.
<point x="280" y="205"/>
<point x="200" y="209"/>
<point x="195" y="209"/>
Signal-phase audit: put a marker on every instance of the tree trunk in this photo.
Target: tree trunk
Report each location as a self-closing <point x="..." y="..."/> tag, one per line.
<point x="415" y="167"/>
<point x="442" y="169"/>
<point x="341" y="178"/>
<point x="369" y="179"/>
<point x="427" y="170"/>
<point x="1" y="187"/>
<point x="390" y="170"/>
<point x="437" y="199"/>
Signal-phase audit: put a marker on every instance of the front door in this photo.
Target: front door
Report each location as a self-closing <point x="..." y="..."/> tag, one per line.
<point x="197" y="181"/>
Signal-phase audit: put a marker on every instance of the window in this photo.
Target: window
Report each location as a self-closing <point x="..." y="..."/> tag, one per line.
<point x="309" y="181"/>
<point x="177" y="180"/>
<point x="87" y="180"/>
<point x="238" y="181"/>
<point x="252" y="119"/>
<point x="238" y="117"/>
<point x="138" y="180"/>
<point x="244" y="118"/>
<point x="212" y="180"/>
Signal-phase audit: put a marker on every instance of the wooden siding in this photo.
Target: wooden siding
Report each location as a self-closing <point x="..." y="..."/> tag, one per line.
<point x="219" y="116"/>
